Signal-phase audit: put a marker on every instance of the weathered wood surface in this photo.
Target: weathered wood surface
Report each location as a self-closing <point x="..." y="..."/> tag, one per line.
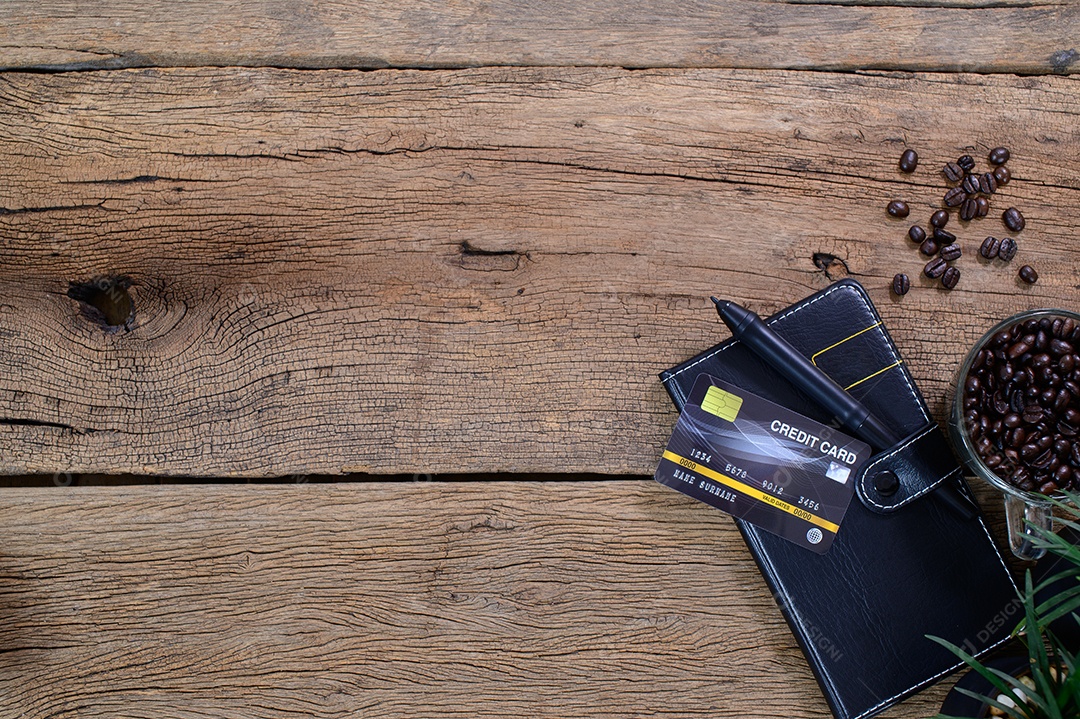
<point x="605" y="599"/>
<point x="966" y="35"/>
<point x="478" y="270"/>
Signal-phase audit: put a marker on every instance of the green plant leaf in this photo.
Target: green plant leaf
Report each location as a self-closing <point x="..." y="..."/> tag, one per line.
<point x="979" y="667"/>
<point x="1014" y="712"/>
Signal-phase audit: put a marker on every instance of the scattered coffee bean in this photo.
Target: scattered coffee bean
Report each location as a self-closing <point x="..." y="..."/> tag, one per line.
<point x="901" y="284"/>
<point x="1013" y="219"/>
<point x="1020" y="408"/>
<point x="989" y="248"/>
<point x="929" y="247"/>
<point x="898" y="208"/>
<point x="939" y="218"/>
<point x="1028" y="274"/>
<point x="988" y="183"/>
<point x="971" y="184"/>
<point x="954" y="197"/>
<point x="953" y="172"/>
<point x="910" y="160"/>
<point x="943" y="237"/>
<point x="999" y="156"/>
<point x="950" y="252"/>
<point x="950" y="277"/>
<point x="969" y="210"/>
<point x="935" y="268"/>
<point x="1007" y="249"/>
<point x="966" y="161"/>
<point x="1002" y="175"/>
<point x="982" y="206"/>
<point x="916" y="233"/>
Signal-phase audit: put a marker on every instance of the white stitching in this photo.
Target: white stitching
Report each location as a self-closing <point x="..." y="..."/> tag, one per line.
<point x="892" y="453"/>
<point x="803" y="305"/>
<point x="922" y="410"/>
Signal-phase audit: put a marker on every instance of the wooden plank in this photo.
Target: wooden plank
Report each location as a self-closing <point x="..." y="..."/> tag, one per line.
<point x="1024" y="36"/>
<point x="612" y="599"/>
<point x="478" y="270"/>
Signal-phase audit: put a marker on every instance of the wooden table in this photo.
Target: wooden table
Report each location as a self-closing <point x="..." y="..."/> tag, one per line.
<point x="421" y="262"/>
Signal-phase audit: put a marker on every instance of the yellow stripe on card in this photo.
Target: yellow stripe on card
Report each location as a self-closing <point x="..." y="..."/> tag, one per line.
<point x="752" y="492"/>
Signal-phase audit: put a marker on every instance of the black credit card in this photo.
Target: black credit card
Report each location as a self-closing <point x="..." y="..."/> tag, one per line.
<point x="763" y="463"/>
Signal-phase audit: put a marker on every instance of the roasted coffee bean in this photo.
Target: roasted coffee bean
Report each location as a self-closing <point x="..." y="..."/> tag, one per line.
<point x="916" y="234"/>
<point x="969" y="210"/>
<point x="966" y="161"/>
<point x="1013" y="219"/>
<point x="953" y="172"/>
<point x="951" y="252"/>
<point x="989" y="248"/>
<point x="988" y="183"/>
<point x="954" y="197"/>
<point x="900" y="284"/>
<point x="910" y="160"/>
<point x="1002" y="175"/>
<point x="939" y="218"/>
<point x="1007" y="249"/>
<point x="929" y="247"/>
<point x="982" y="207"/>
<point x="1028" y="274"/>
<point x="935" y="268"/>
<point x="970" y="184"/>
<point x="1060" y="347"/>
<point x="943" y="237"/>
<point x="898" y="208"/>
<point x="1018" y="349"/>
<point x="950" y="278"/>
<point x="999" y="156"/>
<point x="1033" y="414"/>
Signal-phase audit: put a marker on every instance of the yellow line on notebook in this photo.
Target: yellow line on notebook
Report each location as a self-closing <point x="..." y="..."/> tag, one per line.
<point x="813" y="357"/>
<point x="750" y="491"/>
<point x="871" y="376"/>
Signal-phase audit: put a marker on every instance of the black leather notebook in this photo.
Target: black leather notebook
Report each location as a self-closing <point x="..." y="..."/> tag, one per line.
<point x="905" y="564"/>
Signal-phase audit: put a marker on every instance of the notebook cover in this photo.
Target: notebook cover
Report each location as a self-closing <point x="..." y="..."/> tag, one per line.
<point x="862" y="611"/>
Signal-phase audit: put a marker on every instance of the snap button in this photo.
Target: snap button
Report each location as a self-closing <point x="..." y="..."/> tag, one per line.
<point x="886" y="483"/>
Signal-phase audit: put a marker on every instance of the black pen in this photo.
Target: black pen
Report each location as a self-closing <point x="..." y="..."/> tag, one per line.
<point x="752" y="331"/>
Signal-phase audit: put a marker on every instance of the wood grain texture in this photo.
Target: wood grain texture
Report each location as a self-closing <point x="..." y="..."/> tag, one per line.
<point x="1024" y="36"/>
<point x="606" y="599"/>
<point x="477" y="270"/>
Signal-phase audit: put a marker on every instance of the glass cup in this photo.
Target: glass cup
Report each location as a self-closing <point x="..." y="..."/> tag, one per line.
<point x="1023" y="510"/>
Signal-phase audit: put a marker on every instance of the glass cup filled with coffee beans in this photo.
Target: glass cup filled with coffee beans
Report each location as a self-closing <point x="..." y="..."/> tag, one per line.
<point x="1016" y="416"/>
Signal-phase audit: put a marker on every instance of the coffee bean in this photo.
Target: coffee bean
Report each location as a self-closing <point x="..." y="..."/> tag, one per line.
<point x="1060" y="347"/>
<point x="1002" y="175"/>
<point x="901" y="284"/>
<point x="1007" y="249"/>
<point x="935" y="268"/>
<point x="950" y="278"/>
<point x="950" y="252"/>
<point x="1013" y="219"/>
<point x="954" y="197"/>
<point x="898" y="208"/>
<point x="943" y="237"/>
<point x="953" y="172"/>
<point x="966" y="161"/>
<point x="929" y="247"/>
<point x="998" y="156"/>
<point x="988" y="183"/>
<point x="910" y="160"/>
<point x="939" y="219"/>
<point x="989" y="248"/>
<point x="982" y="206"/>
<point x="971" y="184"/>
<point x="969" y="210"/>
<point x="1028" y="274"/>
<point x="916" y="234"/>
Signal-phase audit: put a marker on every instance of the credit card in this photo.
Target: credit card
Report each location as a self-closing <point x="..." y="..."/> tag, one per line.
<point x="763" y="463"/>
